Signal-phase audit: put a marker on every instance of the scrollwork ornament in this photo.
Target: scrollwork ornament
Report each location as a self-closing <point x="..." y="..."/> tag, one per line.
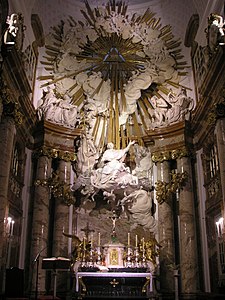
<point x="220" y="110"/>
<point x="161" y="156"/>
<point x="164" y="190"/>
<point x="211" y="119"/>
<point x="162" y="194"/>
<point x="49" y="152"/>
<point x="67" y="156"/>
<point x="179" y="153"/>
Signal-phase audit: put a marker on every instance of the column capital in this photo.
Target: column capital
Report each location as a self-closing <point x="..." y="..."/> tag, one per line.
<point x="170" y="154"/>
<point x="54" y="153"/>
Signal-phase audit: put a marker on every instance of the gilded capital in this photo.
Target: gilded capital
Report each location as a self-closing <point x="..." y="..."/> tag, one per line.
<point x="161" y="156"/>
<point x="55" y="153"/>
<point x="168" y="155"/>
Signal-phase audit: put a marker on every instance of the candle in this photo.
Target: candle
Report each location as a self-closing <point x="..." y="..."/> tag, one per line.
<point x="99" y="239"/>
<point x="84" y="243"/>
<point x="91" y="241"/>
<point x="12" y="227"/>
<point x="8" y="225"/>
<point x="143" y="244"/>
<point x="136" y="241"/>
<point x="128" y="239"/>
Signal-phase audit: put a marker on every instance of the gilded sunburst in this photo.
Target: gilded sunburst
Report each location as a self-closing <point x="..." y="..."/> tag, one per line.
<point x="116" y="67"/>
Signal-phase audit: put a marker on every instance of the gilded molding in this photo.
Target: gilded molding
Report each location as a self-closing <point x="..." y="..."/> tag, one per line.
<point x="54" y="153"/>
<point x="168" y="155"/>
<point x="164" y="190"/>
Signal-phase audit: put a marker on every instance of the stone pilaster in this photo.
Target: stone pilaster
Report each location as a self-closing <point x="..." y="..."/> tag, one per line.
<point x="188" y="243"/>
<point x="166" y="233"/>
<point x="220" y="138"/>
<point x="7" y="131"/>
<point x="40" y="223"/>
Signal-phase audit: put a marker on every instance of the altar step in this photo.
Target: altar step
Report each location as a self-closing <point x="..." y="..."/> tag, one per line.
<point x="116" y="298"/>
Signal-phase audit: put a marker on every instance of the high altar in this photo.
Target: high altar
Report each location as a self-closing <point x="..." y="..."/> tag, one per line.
<point x="116" y="270"/>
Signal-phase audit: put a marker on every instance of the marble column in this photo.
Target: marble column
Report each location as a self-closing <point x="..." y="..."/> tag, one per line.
<point x="166" y="233"/>
<point x="39" y="237"/>
<point x="61" y="224"/>
<point x="220" y="138"/>
<point x="188" y="243"/>
<point x="7" y="132"/>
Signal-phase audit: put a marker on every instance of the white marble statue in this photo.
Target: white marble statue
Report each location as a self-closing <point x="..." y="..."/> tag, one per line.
<point x="138" y="207"/>
<point x="11" y="32"/>
<point x="112" y="154"/>
<point x="215" y="31"/>
<point x="87" y="155"/>
<point x="57" y="110"/>
<point x="158" y="112"/>
<point x="143" y="162"/>
<point x="112" y="171"/>
<point x="181" y="105"/>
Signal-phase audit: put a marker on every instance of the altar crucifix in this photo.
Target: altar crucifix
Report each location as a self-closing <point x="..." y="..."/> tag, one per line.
<point x="114" y="218"/>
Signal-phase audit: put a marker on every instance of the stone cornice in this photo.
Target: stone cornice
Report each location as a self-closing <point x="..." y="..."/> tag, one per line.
<point x="55" y="136"/>
<point x="164" y="132"/>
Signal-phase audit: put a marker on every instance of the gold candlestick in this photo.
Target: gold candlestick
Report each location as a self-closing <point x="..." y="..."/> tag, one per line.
<point x="99" y="239"/>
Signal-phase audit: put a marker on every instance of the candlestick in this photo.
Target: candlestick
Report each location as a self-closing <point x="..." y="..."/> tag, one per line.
<point x="91" y="241"/>
<point x="84" y="244"/>
<point x="136" y="241"/>
<point x="128" y="239"/>
<point x="99" y="239"/>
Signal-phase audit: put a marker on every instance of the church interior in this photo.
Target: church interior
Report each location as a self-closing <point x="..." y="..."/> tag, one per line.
<point x="112" y="136"/>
